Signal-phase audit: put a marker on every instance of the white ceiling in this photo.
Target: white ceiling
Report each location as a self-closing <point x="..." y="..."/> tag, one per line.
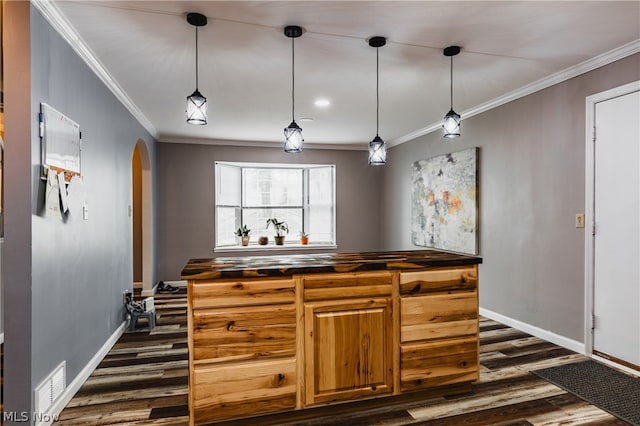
<point x="509" y="48"/>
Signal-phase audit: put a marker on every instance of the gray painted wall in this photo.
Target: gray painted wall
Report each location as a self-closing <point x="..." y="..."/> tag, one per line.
<point x="186" y="202"/>
<point x="70" y="302"/>
<point x="532" y="183"/>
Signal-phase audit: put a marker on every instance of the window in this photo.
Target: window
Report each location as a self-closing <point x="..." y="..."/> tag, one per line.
<point x="248" y="194"/>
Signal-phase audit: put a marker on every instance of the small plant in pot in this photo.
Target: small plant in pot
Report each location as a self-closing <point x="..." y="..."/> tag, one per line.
<point x="280" y="227"/>
<point x="304" y="238"/>
<point x="243" y="232"/>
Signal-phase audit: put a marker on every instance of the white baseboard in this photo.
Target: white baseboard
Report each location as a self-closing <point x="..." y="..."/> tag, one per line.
<point x="547" y="335"/>
<point x="58" y="405"/>
<point x="610" y="363"/>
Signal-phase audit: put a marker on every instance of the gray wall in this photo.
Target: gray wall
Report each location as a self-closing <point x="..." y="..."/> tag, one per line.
<point x="70" y="301"/>
<point x="186" y="203"/>
<point x="532" y="183"/>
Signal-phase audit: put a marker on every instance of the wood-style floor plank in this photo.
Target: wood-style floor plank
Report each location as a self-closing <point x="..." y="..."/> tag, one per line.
<point x="143" y="381"/>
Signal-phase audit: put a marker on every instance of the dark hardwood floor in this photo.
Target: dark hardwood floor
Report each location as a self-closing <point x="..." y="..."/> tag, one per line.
<point x="143" y="381"/>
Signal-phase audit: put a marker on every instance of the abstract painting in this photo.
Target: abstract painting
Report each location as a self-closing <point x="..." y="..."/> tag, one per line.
<point x="445" y="202"/>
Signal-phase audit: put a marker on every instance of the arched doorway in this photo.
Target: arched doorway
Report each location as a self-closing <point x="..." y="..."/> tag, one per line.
<point x="142" y="219"/>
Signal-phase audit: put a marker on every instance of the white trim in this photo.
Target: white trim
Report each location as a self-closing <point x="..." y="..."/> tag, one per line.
<point x="606" y="58"/>
<point x="58" y="405"/>
<point x="271" y="246"/>
<point x="52" y="14"/>
<point x="258" y="144"/>
<point x="589" y="284"/>
<point x="617" y="366"/>
<point x="547" y="335"/>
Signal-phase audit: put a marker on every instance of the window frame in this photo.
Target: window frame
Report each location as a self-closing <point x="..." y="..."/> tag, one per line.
<point x="304" y="208"/>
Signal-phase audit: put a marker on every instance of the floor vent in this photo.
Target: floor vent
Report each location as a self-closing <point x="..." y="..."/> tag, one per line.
<point x="50" y="388"/>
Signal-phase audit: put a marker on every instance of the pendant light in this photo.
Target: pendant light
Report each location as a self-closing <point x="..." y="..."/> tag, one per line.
<point x="196" y="103"/>
<point x="451" y="123"/>
<point x="377" y="147"/>
<point x="293" y="133"/>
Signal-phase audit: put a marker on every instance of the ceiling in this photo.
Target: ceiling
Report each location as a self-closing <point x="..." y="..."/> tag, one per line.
<point x="145" y="50"/>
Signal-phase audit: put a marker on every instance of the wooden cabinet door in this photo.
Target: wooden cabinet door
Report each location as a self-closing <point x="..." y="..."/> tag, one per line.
<point x="348" y="349"/>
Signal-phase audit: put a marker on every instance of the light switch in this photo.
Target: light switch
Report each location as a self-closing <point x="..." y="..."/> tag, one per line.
<point x="580" y="220"/>
<point x="85" y="212"/>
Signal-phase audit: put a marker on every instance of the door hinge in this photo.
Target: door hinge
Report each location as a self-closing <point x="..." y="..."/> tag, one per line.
<point x="593" y="134"/>
<point x="593" y="229"/>
<point x="593" y="321"/>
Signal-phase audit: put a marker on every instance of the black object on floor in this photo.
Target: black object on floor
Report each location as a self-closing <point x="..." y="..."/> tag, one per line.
<point x="606" y="388"/>
<point x="167" y="288"/>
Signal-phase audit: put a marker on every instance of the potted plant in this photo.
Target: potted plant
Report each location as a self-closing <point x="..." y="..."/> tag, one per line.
<point x="304" y="238"/>
<point x="243" y="232"/>
<point x="280" y="227"/>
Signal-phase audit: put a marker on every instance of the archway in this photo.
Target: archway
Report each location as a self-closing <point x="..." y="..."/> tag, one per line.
<point x="142" y="219"/>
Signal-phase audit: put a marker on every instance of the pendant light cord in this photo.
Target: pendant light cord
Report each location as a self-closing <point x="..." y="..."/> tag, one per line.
<point x="377" y="91"/>
<point x="451" y="97"/>
<point x="293" y="80"/>
<point x="196" y="58"/>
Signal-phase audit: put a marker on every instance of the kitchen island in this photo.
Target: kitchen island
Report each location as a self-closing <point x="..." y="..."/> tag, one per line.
<point x="278" y="333"/>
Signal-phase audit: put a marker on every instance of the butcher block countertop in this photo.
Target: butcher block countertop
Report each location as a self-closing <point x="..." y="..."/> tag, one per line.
<point x="286" y="265"/>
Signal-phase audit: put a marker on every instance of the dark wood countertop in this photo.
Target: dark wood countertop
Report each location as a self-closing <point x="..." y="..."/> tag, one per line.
<point x="286" y="265"/>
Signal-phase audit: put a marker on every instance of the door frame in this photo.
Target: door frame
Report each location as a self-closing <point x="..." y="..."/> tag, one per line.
<point x="147" y="218"/>
<point x="589" y="246"/>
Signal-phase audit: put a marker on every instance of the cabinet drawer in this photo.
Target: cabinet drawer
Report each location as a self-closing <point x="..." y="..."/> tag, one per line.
<point x="224" y="294"/>
<point x="246" y="332"/>
<point x="242" y="389"/>
<point x="438" y="316"/>
<point x="439" y="363"/>
<point x="439" y="280"/>
<point x="347" y="285"/>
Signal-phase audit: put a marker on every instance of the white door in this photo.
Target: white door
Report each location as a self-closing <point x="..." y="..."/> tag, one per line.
<point x="616" y="242"/>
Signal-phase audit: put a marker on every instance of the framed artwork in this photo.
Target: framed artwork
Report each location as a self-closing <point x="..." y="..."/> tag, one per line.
<point x="444" y="212"/>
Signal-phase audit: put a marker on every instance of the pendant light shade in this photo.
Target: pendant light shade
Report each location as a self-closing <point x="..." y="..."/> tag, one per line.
<point x="196" y="103"/>
<point x="377" y="147"/>
<point x="377" y="152"/>
<point x="451" y="123"/>
<point x="293" y="133"/>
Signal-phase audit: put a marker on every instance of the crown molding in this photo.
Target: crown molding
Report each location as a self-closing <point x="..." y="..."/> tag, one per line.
<point x="606" y="58"/>
<point x="52" y="14"/>
<point x="257" y="144"/>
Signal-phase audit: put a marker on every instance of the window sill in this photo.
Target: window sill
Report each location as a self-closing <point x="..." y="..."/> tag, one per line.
<point x="271" y="247"/>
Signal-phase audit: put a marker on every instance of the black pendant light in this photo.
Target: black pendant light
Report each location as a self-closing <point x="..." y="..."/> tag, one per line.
<point x="196" y="103"/>
<point x="293" y="133"/>
<point x="451" y="123"/>
<point x="377" y="147"/>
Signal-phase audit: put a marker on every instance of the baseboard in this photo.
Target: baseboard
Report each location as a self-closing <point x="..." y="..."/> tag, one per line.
<point x="613" y="364"/>
<point x="547" y="335"/>
<point x="58" y="405"/>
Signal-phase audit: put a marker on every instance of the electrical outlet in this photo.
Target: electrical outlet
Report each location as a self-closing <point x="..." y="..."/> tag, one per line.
<point x="580" y="220"/>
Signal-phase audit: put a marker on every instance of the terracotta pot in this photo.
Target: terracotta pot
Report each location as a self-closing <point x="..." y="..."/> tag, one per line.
<point x="304" y="240"/>
<point x="279" y="240"/>
<point x="263" y="241"/>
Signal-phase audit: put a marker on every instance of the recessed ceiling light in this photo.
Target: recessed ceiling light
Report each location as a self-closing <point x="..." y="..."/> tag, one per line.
<point x="322" y="103"/>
